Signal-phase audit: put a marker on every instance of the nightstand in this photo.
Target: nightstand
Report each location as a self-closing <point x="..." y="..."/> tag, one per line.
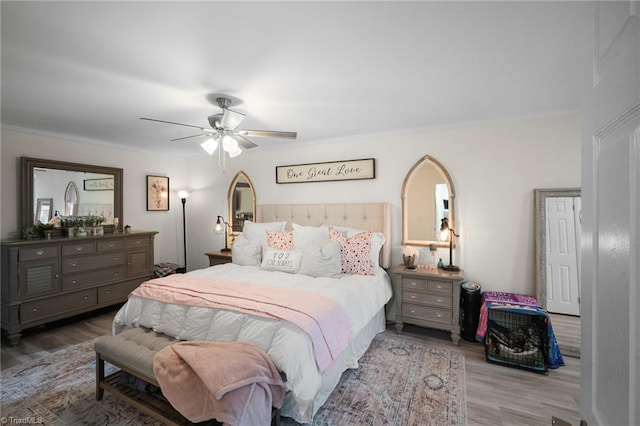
<point x="428" y="298"/>
<point x="218" y="257"/>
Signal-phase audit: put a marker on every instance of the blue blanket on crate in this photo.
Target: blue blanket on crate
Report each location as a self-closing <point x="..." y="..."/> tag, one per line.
<point x="553" y="357"/>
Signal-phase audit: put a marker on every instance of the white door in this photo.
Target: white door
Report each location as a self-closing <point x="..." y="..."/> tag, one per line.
<point x="563" y="295"/>
<point x="610" y="364"/>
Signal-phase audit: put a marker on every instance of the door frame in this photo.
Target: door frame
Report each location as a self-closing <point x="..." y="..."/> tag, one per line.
<point x="540" y="196"/>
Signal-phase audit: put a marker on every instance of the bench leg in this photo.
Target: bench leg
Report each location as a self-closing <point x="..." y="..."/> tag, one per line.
<point x="99" y="376"/>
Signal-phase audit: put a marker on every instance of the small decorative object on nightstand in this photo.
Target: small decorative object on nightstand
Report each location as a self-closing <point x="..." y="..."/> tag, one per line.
<point x="218" y="257"/>
<point x="428" y="299"/>
<point x="409" y="256"/>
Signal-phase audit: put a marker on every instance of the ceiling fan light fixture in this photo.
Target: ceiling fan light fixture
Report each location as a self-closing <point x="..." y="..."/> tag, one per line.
<point x="229" y="143"/>
<point x="234" y="152"/>
<point x="210" y="145"/>
<point x="231" y="119"/>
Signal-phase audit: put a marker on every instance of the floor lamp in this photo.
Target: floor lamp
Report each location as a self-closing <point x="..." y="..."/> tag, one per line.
<point x="183" y="195"/>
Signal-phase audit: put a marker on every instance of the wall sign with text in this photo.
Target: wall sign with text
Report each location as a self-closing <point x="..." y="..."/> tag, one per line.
<point x="322" y="172"/>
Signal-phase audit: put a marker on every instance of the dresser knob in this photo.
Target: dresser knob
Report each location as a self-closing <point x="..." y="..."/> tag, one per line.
<point x="107" y="291"/>
<point x="439" y="315"/>
<point x="35" y="309"/>
<point x="74" y="264"/>
<point x="116" y="274"/>
<point x="439" y="300"/>
<point x="73" y="282"/>
<point x="39" y="252"/>
<point x="57" y="275"/>
<point x="86" y="297"/>
<point x="111" y="244"/>
<point x="116" y="258"/>
<point x="79" y="248"/>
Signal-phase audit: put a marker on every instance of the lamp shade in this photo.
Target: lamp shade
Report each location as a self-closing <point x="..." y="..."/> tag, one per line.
<point x="210" y="145"/>
<point x="183" y="193"/>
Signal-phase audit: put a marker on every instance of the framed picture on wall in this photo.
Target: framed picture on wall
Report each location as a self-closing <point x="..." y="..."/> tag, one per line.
<point x="157" y="193"/>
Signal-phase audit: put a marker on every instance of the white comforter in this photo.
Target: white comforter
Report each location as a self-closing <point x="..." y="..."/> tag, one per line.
<point x="289" y="347"/>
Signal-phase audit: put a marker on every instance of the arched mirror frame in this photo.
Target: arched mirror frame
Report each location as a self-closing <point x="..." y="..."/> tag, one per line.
<point x="230" y="196"/>
<point x="71" y="200"/>
<point x="28" y="164"/>
<point x="405" y="203"/>
<point x="540" y="202"/>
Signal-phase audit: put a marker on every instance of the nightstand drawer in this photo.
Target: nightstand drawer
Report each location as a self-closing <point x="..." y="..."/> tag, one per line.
<point x="440" y="287"/>
<point x="409" y="283"/>
<point x="427" y="299"/>
<point x="427" y="313"/>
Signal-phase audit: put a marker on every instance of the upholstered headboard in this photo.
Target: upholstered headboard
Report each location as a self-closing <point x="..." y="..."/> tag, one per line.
<point x="369" y="216"/>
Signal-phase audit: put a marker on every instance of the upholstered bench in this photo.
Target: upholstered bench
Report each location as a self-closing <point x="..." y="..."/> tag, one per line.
<point x="133" y="351"/>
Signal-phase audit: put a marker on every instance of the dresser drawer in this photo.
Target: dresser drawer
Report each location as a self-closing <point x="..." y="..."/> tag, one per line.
<point x="432" y="299"/>
<point x="56" y="305"/>
<point x="80" y="247"/>
<point x="77" y="264"/>
<point x="427" y="313"/>
<point x="443" y="287"/>
<point x="409" y="283"/>
<point x="117" y="291"/>
<point x="42" y="252"/>
<point x="110" y="245"/>
<point x="92" y="278"/>
<point x="138" y="242"/>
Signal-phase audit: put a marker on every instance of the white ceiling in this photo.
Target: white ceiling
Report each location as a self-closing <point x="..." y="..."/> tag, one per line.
<point x="324" y="69"/>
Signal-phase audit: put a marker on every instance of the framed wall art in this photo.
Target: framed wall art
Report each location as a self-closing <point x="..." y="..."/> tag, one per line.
<point x="103" y="184"/>
<point x="330" y="171"/>
<point x="157" y="193"/>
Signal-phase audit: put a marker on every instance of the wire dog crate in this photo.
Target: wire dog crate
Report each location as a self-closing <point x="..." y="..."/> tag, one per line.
<point x="517" y="339"/>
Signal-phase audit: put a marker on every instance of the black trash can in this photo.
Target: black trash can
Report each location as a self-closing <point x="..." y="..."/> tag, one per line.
<point x="470" y="301"/>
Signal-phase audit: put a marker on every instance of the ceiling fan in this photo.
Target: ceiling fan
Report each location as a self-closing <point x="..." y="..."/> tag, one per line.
<point x="224" y="131"/>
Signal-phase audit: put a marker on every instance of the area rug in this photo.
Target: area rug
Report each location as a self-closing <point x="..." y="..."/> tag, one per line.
<point x="400" y="381"/>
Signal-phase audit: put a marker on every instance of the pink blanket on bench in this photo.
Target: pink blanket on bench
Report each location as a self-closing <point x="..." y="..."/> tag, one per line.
<point x="322" y="318"/>
<point x="234" y="382"/>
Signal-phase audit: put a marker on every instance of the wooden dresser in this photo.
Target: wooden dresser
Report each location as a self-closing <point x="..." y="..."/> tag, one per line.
<point x="45" y="280"/>
<point x="428" y="298"/>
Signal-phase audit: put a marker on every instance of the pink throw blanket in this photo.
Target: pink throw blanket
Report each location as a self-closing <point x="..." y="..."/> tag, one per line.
<point x="323" y="319"/>
<point x="236" y="382"/>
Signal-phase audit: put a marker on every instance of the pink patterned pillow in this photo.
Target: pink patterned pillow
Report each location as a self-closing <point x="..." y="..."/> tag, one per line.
<point x="354" y="251"/>
<point x="280" y="240"/>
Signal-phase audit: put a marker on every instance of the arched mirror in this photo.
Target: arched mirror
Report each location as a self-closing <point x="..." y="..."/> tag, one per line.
<point x="242" y="201"/>
<point x="427" y="198"/>
<point x="71" y="200"/>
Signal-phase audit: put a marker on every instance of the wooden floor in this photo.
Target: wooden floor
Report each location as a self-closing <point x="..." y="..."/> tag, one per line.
<point x="496" y="395"/>
<point x="567" y="330"/>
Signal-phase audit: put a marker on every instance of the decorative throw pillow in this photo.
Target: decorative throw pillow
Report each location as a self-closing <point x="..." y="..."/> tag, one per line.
<point x="281" y="260"/>
<point x="281" y="240"/>
<point x="377" y="241"/>
<point x="245" y="252"/>
<point x="258" y="231"/>
<point x="355" y="252"/>
<point x="304" y="236"/>
<point x="322" y="261"/>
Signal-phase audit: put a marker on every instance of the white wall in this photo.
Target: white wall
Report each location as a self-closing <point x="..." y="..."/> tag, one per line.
<point x="494" y="167"/>
<point x="136" y="165"/>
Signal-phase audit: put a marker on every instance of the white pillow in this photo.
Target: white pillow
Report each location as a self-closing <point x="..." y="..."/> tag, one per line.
<point x="377" y="241"/>
<point x="281" y="260"/>
<point x="245" y="252"/>
<point x="304" y="236"/>
<point x="322" y="261"/>
<point x="258" y="231"/>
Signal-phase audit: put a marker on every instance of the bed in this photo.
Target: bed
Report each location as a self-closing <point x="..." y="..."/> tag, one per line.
<point x="306" y="269"/>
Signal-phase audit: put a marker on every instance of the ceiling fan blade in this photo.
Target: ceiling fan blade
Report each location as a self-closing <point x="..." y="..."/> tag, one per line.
<point x="244" y="142"/>
<point x="204" y="129"/>
<point x="231" y="119"/>
<point x="268" y="134"/>
<point x="195" y="136"/>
